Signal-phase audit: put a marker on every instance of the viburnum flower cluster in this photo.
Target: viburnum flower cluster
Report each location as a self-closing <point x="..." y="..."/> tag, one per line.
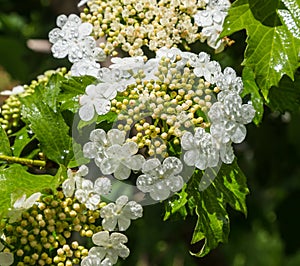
<point x="132" y="25"/>
<point x="174" y="114"/>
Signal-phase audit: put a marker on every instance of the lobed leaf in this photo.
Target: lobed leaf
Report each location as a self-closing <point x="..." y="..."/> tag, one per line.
<point x="272" y="50"/>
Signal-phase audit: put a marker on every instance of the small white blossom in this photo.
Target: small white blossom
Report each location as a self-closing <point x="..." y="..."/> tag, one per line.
<point x="22" y="204"/>
<point x="120" y="160"/>
<point x="85" y="67"/>
<point x="102" y="185"/>
<point x="120" y="214"/>
<point x="109" y="246"/>
<point x="15" y="91"/>
<point x="115" y="78"/>
<point x="228" y="118"/>
<point x="160" y="179"/>
<point x="92" y="260"/>
<point x="97" y="98"/>
<point x="201" y="151"/>
<point x="6" y="258"/>
<point x="127" y="63"/>
<point x="73" y="39"/>
<point x="87" y="195"/>
<point x="100" y="141"/>
<point x="211" y="21"/>
<point x="74" y="180"/>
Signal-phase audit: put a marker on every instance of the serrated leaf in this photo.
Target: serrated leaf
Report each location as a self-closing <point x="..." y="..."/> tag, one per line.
<point x="272" y="51"/>
<point x="227" y="188"/>
<point x="291" y="17"/>
<point x="213" y="221"/>
<point x="286" y="97"/>
<point x="15" y="181"/>
<point x="250" y="87"/>
<point x="231" y="182"/>
<point x="49" y="128"/>
<point x="4" y="143"/>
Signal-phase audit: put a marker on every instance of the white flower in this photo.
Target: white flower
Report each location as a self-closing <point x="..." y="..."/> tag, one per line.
<point x="92" y="260"/>
<point x="120" y="213"/>
<point x="115" y="78"/>
<point x="85" y="67"/>
<point x="228" y="82"/>
<point x="15" y="91"/>
<point x="100" y="141"/>
<point x="97" y="98"/>
<point x="6" y="258"/>
<point x="203" y="67"/>
<point x="159" y="179"/>
<point x="120" y="160"/>
<point x="228" y="118"/>
<point x="211" y="20"/>
<point x="102" y="185"/>
<point x="74" y="180"/>
<point x="22" y="204"/>
<point x="127" y="63"/>
<point x="201" y="151"/>
<point x="88" y="195"/>
<point x="72" y="39"/>
<point x="109" y="246"/>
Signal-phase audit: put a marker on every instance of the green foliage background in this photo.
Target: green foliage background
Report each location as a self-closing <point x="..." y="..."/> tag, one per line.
<point x="269" y="157"/>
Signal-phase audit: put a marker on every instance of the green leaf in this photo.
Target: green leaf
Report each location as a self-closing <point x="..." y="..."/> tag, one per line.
<point x="49" y="127"/>
<point x="177" y="205"/>
<point x="227" y="186"/>
<point x="250" y="87"/>
<point x="286" y="97"/>
<point x="15" y="181"/>
<point x="22" y="139"/>
<point x="291" y="17"/>
<point x="52" y="90"/>
<point x="75" y="86"/>
<point x="4" y="143"/>
<point x="272" y="50"/>
<point x="213" y="221"/>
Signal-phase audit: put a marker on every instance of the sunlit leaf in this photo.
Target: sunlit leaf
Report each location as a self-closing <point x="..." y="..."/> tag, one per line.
<point x="4" y="143"/>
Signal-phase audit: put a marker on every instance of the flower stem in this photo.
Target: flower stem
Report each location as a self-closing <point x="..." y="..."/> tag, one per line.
<point x="13" y="159"/>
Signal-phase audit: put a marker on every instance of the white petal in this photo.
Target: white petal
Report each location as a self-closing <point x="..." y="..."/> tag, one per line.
<point x="102" y="106"/>
<point x="102" y="185"/>
<point x="86" y="112"/>
<point x="90" y="261"/>
<point x="116" y="136"/>
<point x="130" y="148"/>
<point x="160" y="191"/>
<point x="101" y="238"/>
<point x="6" y="258"/>
<point x="191" y="157"/>
<point x="85" y="29"/>
<point x="150" y="165"/>
<point x="109" y="166"/>
<point x="135" y="162"/>
<point x="176" y="183"/>
<point x="187" y="141"/>
<point x="19" y="203"/>
<point x="122" y="172"/>
<point x="173" y="163"/>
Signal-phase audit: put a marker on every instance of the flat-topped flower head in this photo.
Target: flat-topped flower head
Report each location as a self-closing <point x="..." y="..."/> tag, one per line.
<point x="201" y="150"/>
<point x="109" y="246"/>
<point x="120" y="214"/>
<point x="160" y="179"/>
